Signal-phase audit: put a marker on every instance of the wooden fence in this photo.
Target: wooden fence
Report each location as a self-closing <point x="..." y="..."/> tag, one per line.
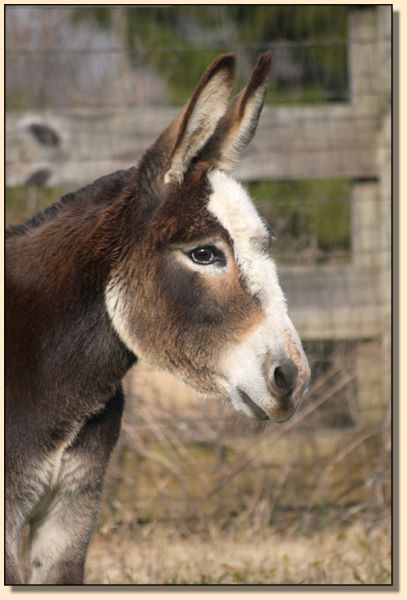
<point x="349" y="140"/>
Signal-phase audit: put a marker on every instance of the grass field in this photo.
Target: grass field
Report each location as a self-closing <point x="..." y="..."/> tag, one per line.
<point x="356" y="553"/>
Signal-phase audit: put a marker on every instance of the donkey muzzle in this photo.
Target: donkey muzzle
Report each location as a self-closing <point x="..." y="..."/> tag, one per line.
<point x="287" y="384"/>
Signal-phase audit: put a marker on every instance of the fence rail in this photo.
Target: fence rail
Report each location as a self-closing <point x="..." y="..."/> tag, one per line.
<point x="75" y="147"/>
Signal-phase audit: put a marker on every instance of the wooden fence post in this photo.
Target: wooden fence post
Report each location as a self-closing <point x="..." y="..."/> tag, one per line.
<point x="369" y="69"/>
<point x="384" y="19"/>
<point x="362" y="54"/>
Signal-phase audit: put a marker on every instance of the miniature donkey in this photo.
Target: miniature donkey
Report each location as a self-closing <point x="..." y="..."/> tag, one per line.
<point x="168" y="262"/>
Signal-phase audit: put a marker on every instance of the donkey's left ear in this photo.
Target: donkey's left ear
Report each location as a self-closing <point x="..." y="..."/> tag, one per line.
<point x="168" y="159"/>
<point x="238" y="126"/>
<point x="198" y="120"/>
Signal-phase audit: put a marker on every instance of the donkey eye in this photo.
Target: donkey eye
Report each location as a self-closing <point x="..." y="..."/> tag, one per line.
<point x="206" y="255"/>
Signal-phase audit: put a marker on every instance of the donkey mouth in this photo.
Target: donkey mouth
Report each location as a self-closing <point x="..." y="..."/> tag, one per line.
<point x="258" y="412"/>
<point x="279" y="414"/>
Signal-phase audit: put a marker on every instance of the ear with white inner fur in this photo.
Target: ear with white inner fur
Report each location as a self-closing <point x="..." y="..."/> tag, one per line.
<point x="197" y="121"/>
<point x="238" y="125"/>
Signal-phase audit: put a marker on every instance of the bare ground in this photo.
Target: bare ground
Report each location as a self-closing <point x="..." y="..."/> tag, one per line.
<point x="172" y="554"/>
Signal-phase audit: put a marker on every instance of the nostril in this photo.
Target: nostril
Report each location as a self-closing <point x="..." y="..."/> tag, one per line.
<point x="279" y="378"/>
<point x="285" y="377"/>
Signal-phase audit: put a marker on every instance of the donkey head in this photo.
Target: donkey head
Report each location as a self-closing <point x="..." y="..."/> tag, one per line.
<point x="198" y="293"/>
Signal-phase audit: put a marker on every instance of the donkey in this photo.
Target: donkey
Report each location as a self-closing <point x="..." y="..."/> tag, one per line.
<point x="167" y="262"/>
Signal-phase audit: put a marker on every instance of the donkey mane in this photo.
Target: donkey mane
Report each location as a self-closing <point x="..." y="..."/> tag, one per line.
<point x="98" y="193"/>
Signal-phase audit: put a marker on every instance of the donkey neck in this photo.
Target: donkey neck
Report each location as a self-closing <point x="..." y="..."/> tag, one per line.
<point x="59" y="264"/>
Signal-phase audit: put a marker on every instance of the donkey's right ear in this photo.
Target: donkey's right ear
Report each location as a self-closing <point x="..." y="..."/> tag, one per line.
<point x="188" y="133"/>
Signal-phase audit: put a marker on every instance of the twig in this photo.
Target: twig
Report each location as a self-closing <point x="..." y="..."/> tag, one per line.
<point x="360" y="439"/>
<point x="254" y="455"/>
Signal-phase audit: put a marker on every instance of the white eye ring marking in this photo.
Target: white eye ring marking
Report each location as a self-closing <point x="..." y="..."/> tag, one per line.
<point x="223" y="256"/>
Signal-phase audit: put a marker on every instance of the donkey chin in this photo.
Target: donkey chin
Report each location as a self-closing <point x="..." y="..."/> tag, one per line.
<point x="271" y="407"/>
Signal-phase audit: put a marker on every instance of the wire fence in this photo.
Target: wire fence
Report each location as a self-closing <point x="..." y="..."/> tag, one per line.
<point x="81" y="59"/>
<point x="327" y="201"/>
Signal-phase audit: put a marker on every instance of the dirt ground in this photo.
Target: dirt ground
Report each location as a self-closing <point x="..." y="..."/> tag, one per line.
<point x="169" y="554"/>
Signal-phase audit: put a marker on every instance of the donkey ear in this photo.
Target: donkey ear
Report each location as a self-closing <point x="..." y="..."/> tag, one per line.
<point x="182" y="140"/>
<point x="238" y="126"/>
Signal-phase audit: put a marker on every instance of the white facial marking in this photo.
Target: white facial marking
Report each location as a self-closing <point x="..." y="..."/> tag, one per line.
<point x="276" y="336"/>
<point x="233" y="208"/>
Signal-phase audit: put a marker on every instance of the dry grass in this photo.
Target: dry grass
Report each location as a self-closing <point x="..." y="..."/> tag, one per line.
<point x="170" y="554"/>
<point x="181" y="458"/>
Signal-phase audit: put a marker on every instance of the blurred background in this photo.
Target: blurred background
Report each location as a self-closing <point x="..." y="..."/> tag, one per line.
<point x="87" y="90"/>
